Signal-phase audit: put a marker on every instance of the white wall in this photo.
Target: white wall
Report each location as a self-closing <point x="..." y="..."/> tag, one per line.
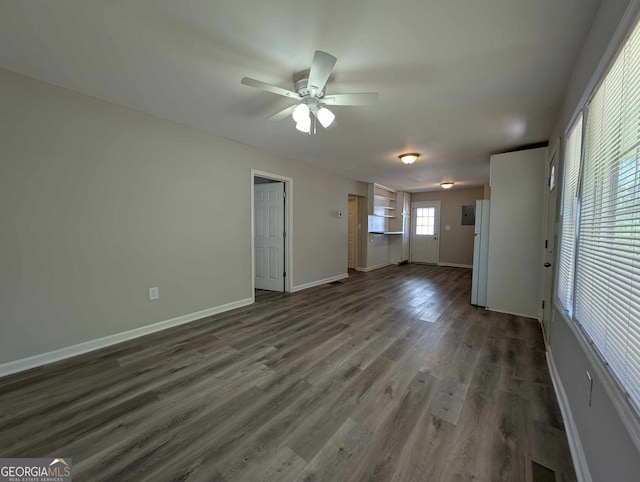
<point x="378" y="250"/>
<point x="98" y="203"/>
<point x="602" y="30"/>
<point x="601" y="430"/>
<point x="456" y="244"/>
<point x="609" y="450"/>
<point x="515" y="232"/>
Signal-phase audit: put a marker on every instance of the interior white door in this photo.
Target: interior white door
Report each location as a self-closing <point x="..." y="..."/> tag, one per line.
<point x="352" y="210"/>
<point x="548" y="254"/>
<point x="425" y="222"/>
<point x="269" y="236"/>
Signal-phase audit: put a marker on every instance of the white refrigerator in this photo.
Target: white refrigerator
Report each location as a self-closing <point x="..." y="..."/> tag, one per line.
<point x="480" y="254"/>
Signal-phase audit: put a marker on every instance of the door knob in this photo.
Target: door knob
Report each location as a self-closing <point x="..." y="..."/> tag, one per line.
<point x="547" y="265"/>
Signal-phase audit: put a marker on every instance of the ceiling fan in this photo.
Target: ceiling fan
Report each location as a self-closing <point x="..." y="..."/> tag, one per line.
<point x="310" y="95"/>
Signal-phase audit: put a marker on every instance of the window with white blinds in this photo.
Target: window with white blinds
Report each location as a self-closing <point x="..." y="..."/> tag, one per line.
<point x="607" y="264"/>
<point x="569" y="211"/>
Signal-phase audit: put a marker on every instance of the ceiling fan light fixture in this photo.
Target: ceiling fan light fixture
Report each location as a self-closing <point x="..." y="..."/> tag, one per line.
<point x="301" y="113"/>
<point x="304" y="125"/>
<point x="309" y="94"/>
<point x="409" y="157"/>
<point x="325" y="116"/>
<point x="446" y="185"/>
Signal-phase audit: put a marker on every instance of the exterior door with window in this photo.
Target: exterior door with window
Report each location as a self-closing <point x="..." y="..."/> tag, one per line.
<point x="549" y="242"/>
<point x="425" y="222"/>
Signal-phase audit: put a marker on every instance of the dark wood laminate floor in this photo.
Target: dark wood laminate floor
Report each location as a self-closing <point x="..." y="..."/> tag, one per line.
<point x="390" y="375"/>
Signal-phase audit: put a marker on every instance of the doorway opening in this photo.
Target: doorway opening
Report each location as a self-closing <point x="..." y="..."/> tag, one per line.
<point x="271" y="220"/>
<point x="425" y="228"/>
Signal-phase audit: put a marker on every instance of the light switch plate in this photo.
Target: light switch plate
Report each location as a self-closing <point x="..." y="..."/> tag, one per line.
<point x="154" y="293"/>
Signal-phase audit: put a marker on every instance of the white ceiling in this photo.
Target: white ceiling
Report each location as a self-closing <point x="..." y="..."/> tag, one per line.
<point x="458" y="79"/>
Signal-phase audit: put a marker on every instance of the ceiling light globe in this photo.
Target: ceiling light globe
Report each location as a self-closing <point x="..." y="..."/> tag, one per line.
<point x="304" y="125"/>
<point x="325" y="116"/>
<point x="409" y="158"/>
<point x="300" y="113"/>
<point x="447" y="185"/>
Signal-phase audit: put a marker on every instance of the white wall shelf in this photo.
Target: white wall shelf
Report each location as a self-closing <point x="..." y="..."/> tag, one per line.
<point x="382" y="204"/>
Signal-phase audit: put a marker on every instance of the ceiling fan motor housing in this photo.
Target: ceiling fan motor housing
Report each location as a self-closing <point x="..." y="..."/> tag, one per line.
<point x="302" y="89"/>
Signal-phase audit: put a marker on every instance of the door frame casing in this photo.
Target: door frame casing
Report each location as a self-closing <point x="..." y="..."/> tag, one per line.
<point x="288" y="228"/>
<point x="419" y="204"/>
<point x="356" y="234"/>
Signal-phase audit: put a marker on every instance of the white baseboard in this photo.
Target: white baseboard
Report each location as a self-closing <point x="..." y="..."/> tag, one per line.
<point x="371" y="268"/>
<point x="319" y="282"/>
<point x="456" y="265"/>
<point x="87" y="346"/>
<point x="577" y="453"/>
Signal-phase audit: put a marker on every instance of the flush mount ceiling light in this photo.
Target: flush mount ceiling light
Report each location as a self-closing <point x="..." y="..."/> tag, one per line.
<point x="409" y="157"/>
<point x="446" y="185"/>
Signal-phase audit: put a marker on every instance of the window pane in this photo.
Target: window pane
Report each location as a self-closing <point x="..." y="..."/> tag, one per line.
<point x="607" y="266"/>
<point x="566" y="260"/>
<point x="425" y="221"/>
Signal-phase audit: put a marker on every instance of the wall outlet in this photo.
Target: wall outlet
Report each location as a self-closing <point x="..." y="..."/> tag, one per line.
<point x="154" y="293"/>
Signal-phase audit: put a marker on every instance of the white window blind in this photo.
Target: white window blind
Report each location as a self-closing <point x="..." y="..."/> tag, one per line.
<point x="566" y="261"/>
<point x="607" y="292"/>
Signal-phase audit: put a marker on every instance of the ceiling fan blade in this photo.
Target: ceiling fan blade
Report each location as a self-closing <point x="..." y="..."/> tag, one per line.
<point x="368" y="98"/>
<point x="320" y="71"/>
<point x="284" y="113"/>
<point x="269" y="88"/>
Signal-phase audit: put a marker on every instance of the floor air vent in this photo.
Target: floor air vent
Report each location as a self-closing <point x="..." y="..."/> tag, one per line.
<point x="334" y="283"/>
<point x="541" y="473"/>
